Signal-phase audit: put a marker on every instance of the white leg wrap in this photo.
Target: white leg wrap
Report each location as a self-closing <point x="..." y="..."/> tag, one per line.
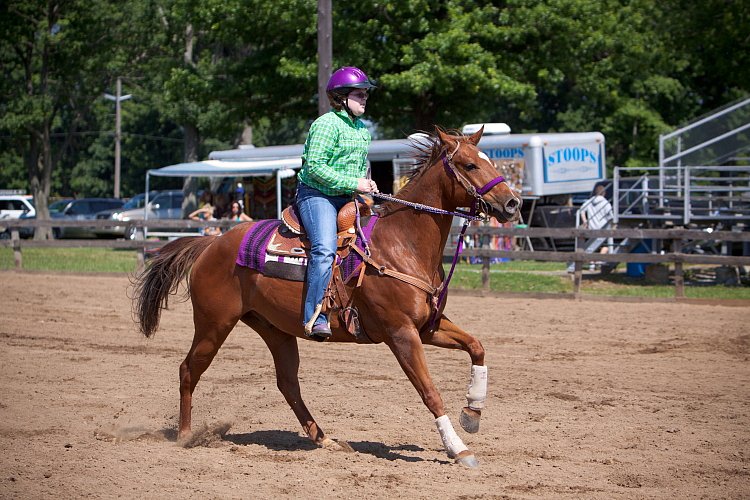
<point x="477" y="392"/>
<point x="451" y="441"/>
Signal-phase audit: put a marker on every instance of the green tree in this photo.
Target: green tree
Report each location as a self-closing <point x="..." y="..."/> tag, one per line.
<point x="594" y="65"/>
<point x="204" y="72"/>
<point x="54" y="55"/>
<point x="436" y="62"/>
<point x="712" y="36"/>
<point x="276" y="72"/>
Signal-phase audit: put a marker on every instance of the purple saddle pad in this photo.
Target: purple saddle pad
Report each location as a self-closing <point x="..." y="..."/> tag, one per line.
<point x="252" y="253"/>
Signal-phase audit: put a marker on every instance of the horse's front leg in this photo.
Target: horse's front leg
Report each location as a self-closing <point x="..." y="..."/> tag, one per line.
<point x="407" y="347"/>
<point x="450" y="336"/>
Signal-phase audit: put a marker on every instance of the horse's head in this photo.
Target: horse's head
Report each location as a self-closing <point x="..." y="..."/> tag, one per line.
<point x="466" y="164"/>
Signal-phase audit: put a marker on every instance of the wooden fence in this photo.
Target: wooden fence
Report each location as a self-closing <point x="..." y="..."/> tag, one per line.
<point x="675" y="240"/>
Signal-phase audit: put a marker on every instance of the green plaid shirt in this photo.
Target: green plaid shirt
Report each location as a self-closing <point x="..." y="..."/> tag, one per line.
<point x="335" y="154"/>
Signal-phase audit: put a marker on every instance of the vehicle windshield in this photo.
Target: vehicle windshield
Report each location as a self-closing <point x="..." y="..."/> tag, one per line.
<point x="135" y="202"/>
<point x="58" y="206"/>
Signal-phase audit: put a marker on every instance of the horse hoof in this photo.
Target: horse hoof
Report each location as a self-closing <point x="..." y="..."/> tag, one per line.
<point x="330" y="444"/>
<point x="184" y="437"/>
<point x="468" y="460"/>
<point x="469" y="420"/>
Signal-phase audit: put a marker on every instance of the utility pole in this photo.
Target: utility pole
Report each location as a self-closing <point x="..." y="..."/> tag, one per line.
<point x="117" y="98"/>
<point x="325" y="52"/>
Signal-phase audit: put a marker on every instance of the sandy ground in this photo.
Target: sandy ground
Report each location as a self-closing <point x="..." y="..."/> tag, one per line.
<point x="587" y="400"/>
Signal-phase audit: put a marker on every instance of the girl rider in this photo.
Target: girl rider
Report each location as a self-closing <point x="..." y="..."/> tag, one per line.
<point x="334" y="168"/>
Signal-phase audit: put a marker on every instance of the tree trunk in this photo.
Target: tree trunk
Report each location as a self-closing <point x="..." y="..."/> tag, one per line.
<point x="190" y="184"/>
<point x="39" y="164"/>
<point x="424" y="113"/>
<point x="246" y="138"/>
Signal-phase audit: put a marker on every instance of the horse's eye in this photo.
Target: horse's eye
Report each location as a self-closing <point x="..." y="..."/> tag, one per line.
<point x="470" y="166"/>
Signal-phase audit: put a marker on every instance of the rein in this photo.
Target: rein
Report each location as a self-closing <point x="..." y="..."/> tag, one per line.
<point x="477" y="204"/>
<point x="427" y="208"/>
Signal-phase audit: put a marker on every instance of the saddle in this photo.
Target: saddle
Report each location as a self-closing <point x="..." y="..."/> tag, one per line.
<point x="291" y="238"/>
<point x="345" y="220"/>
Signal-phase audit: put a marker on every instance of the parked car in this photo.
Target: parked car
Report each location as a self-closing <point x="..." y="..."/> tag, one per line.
<point x="115" y="214"/>
<point x="54" y="207"/>
<point x="58" y="206"/>
<point x="81" y="209"/>
<point x="16" y="206"/>
<point x="164" y="205"/>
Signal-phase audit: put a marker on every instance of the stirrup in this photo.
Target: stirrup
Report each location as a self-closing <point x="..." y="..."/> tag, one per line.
<point x="320" y="332"/>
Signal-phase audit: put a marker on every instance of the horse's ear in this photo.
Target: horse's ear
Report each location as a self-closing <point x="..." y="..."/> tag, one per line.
<point x="445" y="139"/>
<point x="474" y="138"/>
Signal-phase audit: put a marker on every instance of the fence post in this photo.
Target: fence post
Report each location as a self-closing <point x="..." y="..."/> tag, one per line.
<point x="141" y="253"/>
<point x="679" y="277"/>
<point x="485" y="274"/>
<point x="15" y="238"/>
<point x="578" y="272"/>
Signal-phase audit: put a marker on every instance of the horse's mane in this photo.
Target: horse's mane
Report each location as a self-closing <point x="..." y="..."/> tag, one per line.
<point x="426" y="150"/>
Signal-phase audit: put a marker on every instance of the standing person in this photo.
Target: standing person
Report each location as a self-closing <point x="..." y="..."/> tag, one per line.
<point x="596" y="213"/>
<point x="334" y="167"/>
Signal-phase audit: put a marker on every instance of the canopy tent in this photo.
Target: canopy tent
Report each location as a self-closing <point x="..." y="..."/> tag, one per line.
<point x="281" y="168"/>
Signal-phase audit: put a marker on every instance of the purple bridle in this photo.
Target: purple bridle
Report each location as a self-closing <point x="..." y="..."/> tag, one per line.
<point x="473" y="191"/>
<point x="478" y="202"/>
<point x="476" y="193"/>
<point x="468" y="217"/>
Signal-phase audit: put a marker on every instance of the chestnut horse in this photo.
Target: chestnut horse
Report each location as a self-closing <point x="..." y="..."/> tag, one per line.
<point x="452" y="173"/>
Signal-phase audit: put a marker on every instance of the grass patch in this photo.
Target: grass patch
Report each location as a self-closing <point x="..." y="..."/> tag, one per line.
<point x="519" y="265"/>
<point x="551" y="277"/>
<point x="718" y="292"/>
<point x="621" y="285"/>
<point x="84" y="260"/>
<point x="511" y="276"/>
<point x="513" y="279"/>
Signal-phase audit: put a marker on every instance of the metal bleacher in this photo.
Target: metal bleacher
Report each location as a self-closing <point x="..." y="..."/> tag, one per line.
<point x="703" y="177"/>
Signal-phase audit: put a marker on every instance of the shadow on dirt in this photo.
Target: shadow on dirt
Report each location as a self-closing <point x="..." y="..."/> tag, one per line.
<point x="273" y="440"/>
<point x="290" y="441"/>
<point x="381" y="450"/>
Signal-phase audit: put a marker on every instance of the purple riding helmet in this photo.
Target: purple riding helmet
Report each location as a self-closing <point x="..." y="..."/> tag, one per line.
<point x="348" y="77"/>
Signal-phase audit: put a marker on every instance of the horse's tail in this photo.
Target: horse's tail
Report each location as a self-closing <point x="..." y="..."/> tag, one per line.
<point x="152" y="288"/>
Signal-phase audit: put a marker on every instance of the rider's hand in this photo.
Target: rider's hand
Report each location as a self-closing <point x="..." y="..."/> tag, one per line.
<point x="366" y="186"/>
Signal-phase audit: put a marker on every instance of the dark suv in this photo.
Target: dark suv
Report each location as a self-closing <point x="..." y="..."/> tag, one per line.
<point x="115" y="214"/>
<point x="81" y="209"/>
<point x="164" y="205"/>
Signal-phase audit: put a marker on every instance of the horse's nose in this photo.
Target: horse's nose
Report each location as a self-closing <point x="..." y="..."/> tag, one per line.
<point x="512" y="205"/>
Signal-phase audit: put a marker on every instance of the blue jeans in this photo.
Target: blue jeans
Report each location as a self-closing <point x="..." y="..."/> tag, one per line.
<point x="318" y="214"/>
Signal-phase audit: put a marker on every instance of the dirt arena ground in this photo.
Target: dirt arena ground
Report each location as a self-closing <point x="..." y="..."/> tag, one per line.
<point x="587" y="400"/>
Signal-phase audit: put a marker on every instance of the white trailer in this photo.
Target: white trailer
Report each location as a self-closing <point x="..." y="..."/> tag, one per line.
<point x="552" y="164"/>
<point x="536" y="164"/>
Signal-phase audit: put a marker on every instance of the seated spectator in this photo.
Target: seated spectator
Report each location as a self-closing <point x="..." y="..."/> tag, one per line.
<point x="206" y="212"/>
<point x="237" y="214"/>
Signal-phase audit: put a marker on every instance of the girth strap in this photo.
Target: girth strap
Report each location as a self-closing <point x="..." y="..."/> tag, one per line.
<point x="384" y="271"/>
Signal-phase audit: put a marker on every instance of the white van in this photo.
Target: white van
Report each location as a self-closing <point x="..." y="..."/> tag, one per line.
<point x="13" y="206"/>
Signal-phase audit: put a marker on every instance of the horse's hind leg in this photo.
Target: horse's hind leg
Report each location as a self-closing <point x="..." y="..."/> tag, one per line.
<point x="450" y="336"/>
<point x="210" y="334"/>
<point x="285" y="354"/>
